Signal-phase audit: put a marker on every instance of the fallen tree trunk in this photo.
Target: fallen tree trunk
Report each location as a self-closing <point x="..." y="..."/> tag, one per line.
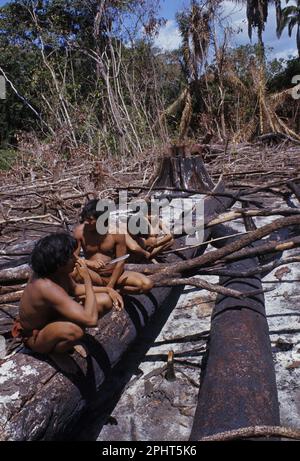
<point x="15" y="274"/>
<point x="238" y="385"/>
<point x="40" y="402"/>
<point x="11" y="297"/>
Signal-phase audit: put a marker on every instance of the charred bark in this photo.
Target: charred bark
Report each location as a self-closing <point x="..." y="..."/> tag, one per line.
<point x="238" y="385"/>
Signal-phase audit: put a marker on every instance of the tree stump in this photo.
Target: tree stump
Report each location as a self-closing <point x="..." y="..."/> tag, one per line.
<point x="181" y="171"/>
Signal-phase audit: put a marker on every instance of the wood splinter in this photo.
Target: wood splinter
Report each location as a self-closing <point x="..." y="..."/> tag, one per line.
<point x="170" y="372"/>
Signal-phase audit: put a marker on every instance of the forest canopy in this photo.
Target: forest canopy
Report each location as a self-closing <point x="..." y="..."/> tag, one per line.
<point x="87" y="75"/>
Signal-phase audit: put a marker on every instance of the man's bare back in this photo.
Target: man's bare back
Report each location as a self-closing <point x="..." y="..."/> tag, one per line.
<point x="36" y="310"/>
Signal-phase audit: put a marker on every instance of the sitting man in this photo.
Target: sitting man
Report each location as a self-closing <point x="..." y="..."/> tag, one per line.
<point x="50" y="319"/>
<point x="100" y="249"/>
<point x="157" y="238"/>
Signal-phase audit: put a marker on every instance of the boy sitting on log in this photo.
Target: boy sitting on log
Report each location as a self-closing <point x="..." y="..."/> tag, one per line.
<point x="100" y="249"/>
<point x="156" y="239"/>
<point x="50" y="319"/>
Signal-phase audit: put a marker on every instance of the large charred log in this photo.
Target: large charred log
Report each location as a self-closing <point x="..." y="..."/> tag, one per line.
<point x="238" y="385"/>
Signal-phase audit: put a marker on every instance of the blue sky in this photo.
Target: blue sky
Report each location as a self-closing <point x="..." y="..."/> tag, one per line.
<point x="234" y="15"/>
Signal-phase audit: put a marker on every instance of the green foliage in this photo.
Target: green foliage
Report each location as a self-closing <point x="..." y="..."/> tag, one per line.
<point x="21" y="68"/>
<point x="82" y="77"/>
<point x="7" y="158"/>
<point x="283" y="78"/>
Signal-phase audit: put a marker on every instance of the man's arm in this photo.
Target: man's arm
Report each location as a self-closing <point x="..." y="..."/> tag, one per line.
<point x="79" y="291"/>
<point x="69" y="309"/>
<point x="120" y="248"/>
<point x="77" y="234"/>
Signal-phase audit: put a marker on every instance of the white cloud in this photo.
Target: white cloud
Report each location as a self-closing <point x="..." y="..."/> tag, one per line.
<point x="285" y="53"/>
<point x="168" y="38"/>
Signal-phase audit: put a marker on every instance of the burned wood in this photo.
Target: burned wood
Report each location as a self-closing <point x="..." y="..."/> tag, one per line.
<point x="294" y="188"/>
<point x="170" y="371"/>
<point x="266" y="187"/>
<point x="212" y="257"/>
<point x="238" y="386"/>
<point x="256" y="431"/>
<point x="62" y="396"/>
<point x="11" y="297"/>
<point x="261" y="249"/>
<point x="189" y="192"/>
<point x="236" y="214"/>
<point x="183" y="173"/>
<point x="265" y="269"/>
<point x="20" y="274"/>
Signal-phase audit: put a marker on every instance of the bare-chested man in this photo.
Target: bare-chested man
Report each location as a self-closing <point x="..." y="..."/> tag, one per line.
<point x="50" y="319"/>
<point x="100" y="249"/>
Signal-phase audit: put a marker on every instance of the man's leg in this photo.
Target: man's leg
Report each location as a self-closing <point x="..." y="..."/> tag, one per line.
<point x="133" y="282"/>
<point x="95" y="277"/>
<point x="58" y="337"/>
<point x="134" y="247"/>
<point x="104" y="303"/>
<point x="161" y="248"/>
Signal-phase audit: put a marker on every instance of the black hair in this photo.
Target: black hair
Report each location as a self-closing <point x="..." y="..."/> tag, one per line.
<point x="52" y="252"/>
<point x="90" y="211"/>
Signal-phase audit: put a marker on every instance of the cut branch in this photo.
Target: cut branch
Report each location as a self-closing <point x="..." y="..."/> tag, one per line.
<point x="196" y="282"/>
<point x="255" y="431"/>
<point x="212" y="257"/>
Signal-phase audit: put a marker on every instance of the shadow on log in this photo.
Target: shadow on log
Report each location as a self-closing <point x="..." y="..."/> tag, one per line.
<point x="40" y="402"/>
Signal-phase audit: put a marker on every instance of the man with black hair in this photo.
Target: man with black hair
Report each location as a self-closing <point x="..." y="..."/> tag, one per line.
<point x="50" y="319"/>
<point x="100" y="249"/>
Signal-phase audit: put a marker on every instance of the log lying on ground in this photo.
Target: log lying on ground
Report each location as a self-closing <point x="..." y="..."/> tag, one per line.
<point x="15" y="274"/>
<point x="7" y="315"/>
<point x="38" y="401"/>
<point x="238" y="385"/>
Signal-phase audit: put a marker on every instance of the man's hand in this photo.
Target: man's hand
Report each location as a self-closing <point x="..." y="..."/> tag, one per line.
<point x="82" y="270"/>
<point x="151" y="243"/>
<point x="116" y="298"/>
<point x="96" y="264"/>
